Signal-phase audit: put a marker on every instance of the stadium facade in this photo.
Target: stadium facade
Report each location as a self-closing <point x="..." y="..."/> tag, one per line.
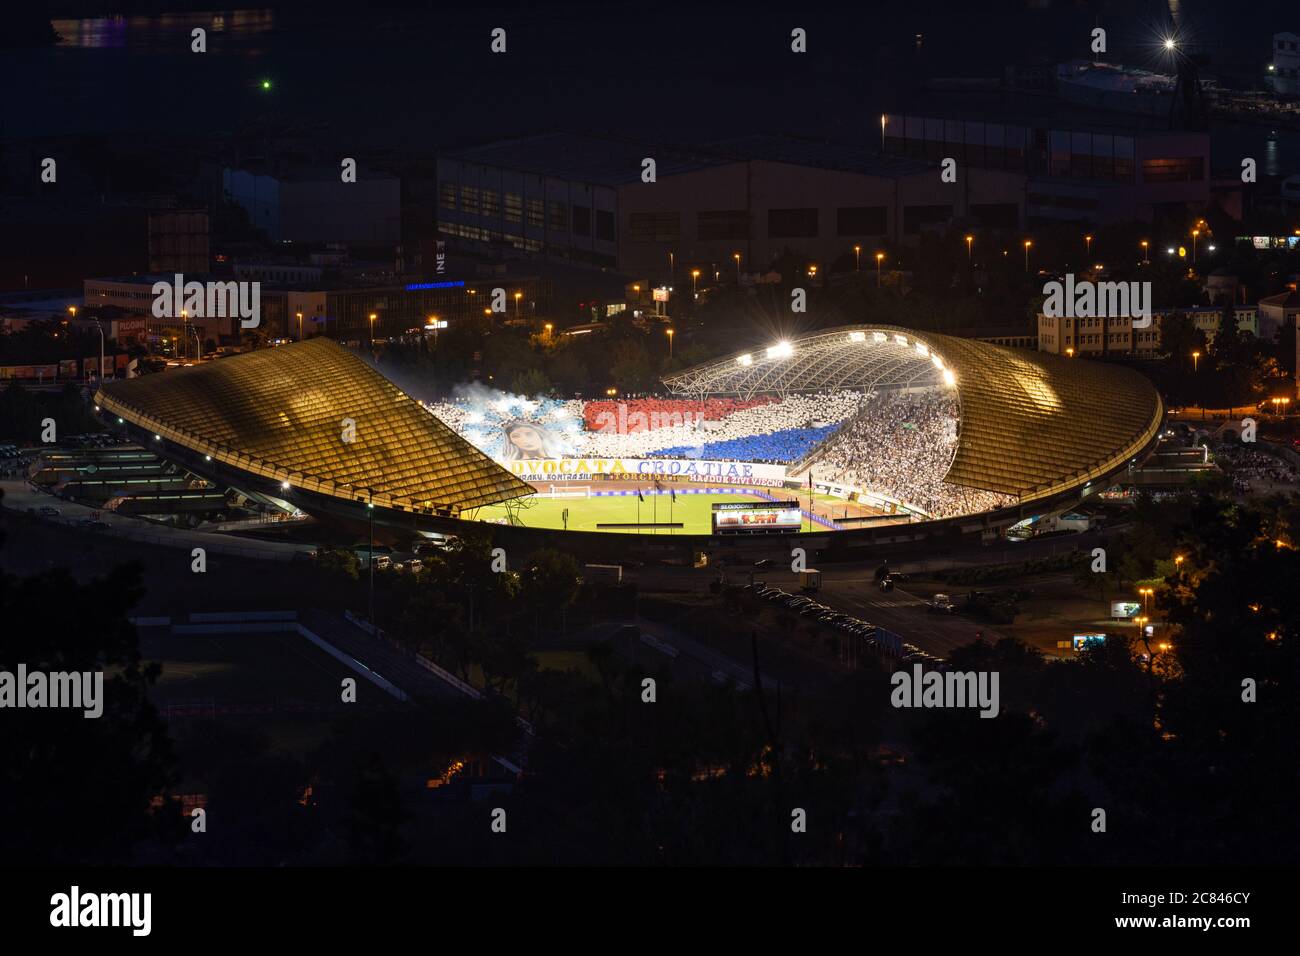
<point x="311" y="426"/>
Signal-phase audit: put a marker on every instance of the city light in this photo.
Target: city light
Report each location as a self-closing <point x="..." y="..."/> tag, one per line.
<point x="780" y="350"/>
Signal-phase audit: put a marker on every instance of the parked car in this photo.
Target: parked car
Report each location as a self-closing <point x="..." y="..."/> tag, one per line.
<point x="48" y="511"/>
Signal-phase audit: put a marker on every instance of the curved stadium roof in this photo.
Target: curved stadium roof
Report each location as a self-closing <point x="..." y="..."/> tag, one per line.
<point x="1031" y="423"/>
<point x="278" y="413"/>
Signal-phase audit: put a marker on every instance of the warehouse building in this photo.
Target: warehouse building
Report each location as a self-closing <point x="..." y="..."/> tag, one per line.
<point x="583" y="199"/>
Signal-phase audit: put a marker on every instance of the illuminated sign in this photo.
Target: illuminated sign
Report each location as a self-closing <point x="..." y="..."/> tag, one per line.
<point x="1088" y="640"/>
<point x="1124" y="609"/>
<point x="743" y="517"/>
<point x="661" y="295"/>
<point x="418" y="286"/>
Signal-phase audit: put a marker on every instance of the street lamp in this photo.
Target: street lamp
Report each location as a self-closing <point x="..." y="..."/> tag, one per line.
<point x="299" y="326"/>
<point x="670" y="342"/>
<point x="372" y="328"/>
<point x="736" y="256"/>
<point x="1087" y="242"/>
<point x="1069" y="351"/>
<point x="880" y="257"/>
<point x="1028" y="243"/>
<point x="1146" y="598"/>
<point x="518" y="297"/>
<point x="857" y="258"/>
<point x="1195" y="233"/>
<point x="1178" y="561"/>
<point x="1196" y="360"/>
<point x="1146" y="252"/>
<point x="695" y="274"/>
<point x="969" y="240"/>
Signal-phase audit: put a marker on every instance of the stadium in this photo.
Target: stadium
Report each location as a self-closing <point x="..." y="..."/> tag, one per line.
<point x="859" y="433"/>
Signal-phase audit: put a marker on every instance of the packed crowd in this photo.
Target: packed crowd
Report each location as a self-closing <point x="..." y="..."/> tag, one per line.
<point x="760" y="430"/>
<point x="894" y="444"/>
<point x="1254" y="470"/>
<point x="902" y="446"/>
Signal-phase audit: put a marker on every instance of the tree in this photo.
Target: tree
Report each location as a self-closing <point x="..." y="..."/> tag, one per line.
<point x="52" y="759"/>
<point x="531" y="382"/>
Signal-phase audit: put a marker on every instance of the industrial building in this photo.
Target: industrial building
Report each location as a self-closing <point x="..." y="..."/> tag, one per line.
<point x="1098" y="172"/>
<point x="585" y="199"/>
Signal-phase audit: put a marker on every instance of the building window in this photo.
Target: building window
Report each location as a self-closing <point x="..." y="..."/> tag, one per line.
<point x="469" y="199"/>
<point x="514" y="207"/>
<point x="558" y="217"/>
<point x="916" y="218"/>
<point x="722" y="224"/>
<point x="582" y="220"/>
<point x="447" y="195"/>
<point x="996" y="215"/>
<point x="535" y="217"/>
<point x="490" y="203"/>
<point x="654" y="226"/>
<point x="860" y="221"/>
<point x="1190" y="169"/>
<point x="792" y="223"/>
<point x="605" y="225"/>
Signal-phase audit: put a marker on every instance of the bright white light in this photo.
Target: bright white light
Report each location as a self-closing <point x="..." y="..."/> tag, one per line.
<point x="879" y="336"/>
<point x="1170" y="250"/>
<point x="780" y="350"/>
<point x="857" y="336"/>
<point x="1212" y="248"/>
<point x="1171" y="43"/>
<point x="745" y="360"/>
<point x="284" y="485"/>
<point x="948" y="378"/>
<point x="900" y="339"/>
<point x="938" y="362"/>
<point x="921" y="350"/>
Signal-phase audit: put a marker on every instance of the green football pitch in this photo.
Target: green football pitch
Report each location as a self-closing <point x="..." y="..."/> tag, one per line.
<point x="693" y="511"/>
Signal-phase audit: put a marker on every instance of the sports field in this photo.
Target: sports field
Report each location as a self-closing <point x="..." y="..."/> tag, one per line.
<point x="693" y="511"/>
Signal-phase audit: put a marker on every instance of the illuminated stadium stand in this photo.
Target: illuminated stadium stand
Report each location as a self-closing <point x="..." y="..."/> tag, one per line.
<point x="1032" y="425"/>
<point x="272" y="422"/>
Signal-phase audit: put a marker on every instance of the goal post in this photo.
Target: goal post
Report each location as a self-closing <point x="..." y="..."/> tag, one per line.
<point x="568" y="491"/>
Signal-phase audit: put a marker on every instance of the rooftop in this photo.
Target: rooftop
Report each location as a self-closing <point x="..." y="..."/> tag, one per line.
<point x="611" y="161"/>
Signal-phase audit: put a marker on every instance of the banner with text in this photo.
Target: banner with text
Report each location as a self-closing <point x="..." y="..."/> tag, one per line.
<point x="648" y="470"/>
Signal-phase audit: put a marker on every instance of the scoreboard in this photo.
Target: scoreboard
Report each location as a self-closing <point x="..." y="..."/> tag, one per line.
<point x="759" y="517"/>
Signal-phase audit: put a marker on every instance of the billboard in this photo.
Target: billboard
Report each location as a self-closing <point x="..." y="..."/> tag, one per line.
<point x="763" y="517"/>
<point x="1088" y="640"/>
<point x="1124" y="610"/>
<point x="703" y="471"/>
